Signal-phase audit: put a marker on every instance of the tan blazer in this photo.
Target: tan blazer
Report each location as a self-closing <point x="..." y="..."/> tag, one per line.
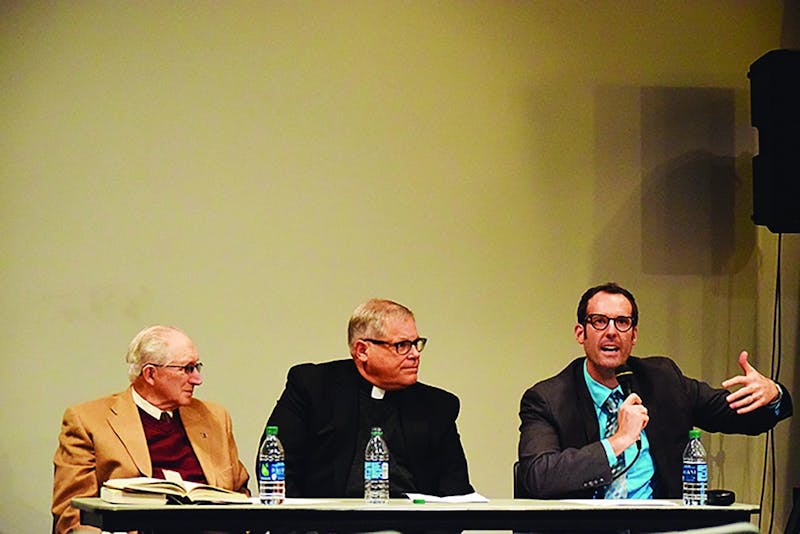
<point x="104" y="439"/>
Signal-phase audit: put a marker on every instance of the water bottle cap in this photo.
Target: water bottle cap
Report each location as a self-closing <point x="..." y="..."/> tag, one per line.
<point x="694" y="434"/>
<point x="272" y="430"/>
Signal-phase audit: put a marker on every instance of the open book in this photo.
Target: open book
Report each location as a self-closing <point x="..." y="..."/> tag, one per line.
<point x="145" y="490"/>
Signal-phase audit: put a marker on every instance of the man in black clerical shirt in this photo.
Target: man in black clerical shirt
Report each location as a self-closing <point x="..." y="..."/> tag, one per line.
<point x="326" y="411"/>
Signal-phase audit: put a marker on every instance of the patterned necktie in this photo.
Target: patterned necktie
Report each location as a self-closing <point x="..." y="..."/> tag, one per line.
<point x="618" y="489"/>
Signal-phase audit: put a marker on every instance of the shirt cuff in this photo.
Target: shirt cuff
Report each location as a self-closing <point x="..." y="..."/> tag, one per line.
<point x="776" y="404"/>
<point x="612" y="458"/>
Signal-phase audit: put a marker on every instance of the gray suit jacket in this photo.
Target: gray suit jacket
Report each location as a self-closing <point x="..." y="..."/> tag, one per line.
<point x="560" y="453"/>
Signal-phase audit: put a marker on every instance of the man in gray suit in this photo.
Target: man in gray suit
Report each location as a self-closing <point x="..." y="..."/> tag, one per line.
<point x="562" y="453"/>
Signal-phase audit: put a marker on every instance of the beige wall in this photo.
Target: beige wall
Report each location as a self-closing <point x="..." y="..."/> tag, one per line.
<point x="251" y="171"/>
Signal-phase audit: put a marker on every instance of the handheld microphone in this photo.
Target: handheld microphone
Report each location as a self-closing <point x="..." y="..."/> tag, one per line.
<point x="625" y="380"/>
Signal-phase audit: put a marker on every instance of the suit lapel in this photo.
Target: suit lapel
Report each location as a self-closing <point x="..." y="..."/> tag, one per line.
<point x="588" y="415"/>
<point x="124" y="420"/>
<point x="344" y="392"/>
<point x="195" y="422"/>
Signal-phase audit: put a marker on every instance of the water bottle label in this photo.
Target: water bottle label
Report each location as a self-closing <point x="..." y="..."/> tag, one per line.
<point x="368" y="470"/>
<point x="376" y="470"/>
<point x="384" y="470"/>
<point x="272" y="471"/>
<point x="702" y="472"/>
<point x="689" y="473"/>
<point x="693" y="473"/>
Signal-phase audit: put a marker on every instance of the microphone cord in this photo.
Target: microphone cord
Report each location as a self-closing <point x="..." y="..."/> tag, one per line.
<point x="625" y="470"/>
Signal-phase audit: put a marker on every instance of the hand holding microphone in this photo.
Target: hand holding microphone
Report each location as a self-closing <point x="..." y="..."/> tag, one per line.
<point x="633" y="416"/>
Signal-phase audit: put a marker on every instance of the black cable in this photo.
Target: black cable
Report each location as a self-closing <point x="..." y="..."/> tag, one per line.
<point x="775" y="371"/>
<point x="625" y="470"/>
<point x="777" y="358"/>
<point x="771" y="440"/>
<point x="763" y="480"/>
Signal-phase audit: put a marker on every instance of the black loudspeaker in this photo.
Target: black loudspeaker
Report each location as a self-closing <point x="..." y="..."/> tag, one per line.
<point x="775" y="112"/>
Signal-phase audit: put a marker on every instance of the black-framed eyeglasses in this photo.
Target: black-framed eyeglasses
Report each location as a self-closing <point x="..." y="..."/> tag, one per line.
<point x="189" y="368"/>
<point x="623" y="323"/>
<point x="402" y="347"/>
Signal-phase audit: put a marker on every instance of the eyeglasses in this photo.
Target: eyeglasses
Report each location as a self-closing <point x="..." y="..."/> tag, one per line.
<point x="623" y="323"/>
<point x="402" y="347"/>
<point x="189" y="368"/>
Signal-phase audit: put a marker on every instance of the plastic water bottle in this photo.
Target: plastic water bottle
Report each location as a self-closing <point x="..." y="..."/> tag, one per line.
<point x="695" y="471"/>
<point x="376" y="469"/>
<point x="271" y="469"/>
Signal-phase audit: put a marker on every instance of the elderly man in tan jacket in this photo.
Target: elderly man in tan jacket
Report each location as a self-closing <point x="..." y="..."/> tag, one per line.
<point x="153" y="425"/>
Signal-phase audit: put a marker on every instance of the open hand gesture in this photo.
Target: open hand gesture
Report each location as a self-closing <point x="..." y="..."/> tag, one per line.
<point x="756" y="389"/>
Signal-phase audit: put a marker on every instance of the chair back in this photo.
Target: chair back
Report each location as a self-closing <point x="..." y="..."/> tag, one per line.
<point x="519" y="490"/>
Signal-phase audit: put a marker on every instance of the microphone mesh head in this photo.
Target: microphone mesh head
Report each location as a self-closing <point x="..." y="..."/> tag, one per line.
<point x="624" y="377"/>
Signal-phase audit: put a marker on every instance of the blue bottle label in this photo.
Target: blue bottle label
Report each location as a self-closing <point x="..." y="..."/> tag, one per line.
<point x="702" y="472"/>
<point x="272" y="471"/>
<point x="694" y="473"/>
<point x="374" y="470"/>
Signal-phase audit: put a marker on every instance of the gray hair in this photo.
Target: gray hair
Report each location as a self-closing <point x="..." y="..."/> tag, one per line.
<point x="150" y="345"/>
<point x="369" y="319"/>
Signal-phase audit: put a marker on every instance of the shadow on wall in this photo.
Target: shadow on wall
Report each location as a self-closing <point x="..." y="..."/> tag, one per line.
<point x="671" y="152"/>
<point x="687" y="207"/>
<point x="694" y="207"/>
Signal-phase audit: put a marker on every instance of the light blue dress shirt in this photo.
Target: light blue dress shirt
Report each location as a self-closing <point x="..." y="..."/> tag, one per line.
<point x="640" y="475"/>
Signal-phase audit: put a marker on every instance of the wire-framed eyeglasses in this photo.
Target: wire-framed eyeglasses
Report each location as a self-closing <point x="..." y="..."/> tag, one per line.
<point x="189" y="368"/>
<point x="623" y="323"/>
<point x="402" y="347"/>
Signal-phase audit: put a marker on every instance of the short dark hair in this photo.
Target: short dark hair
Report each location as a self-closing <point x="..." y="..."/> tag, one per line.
<point x="608" y="287"/>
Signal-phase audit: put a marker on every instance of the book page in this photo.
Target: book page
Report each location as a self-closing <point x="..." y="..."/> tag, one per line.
<point x="178" y="489"/>
<point x="145" y="484"/>
<point x="173" y="476"/>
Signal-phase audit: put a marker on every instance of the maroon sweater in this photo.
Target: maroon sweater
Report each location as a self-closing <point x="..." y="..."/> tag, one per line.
<point x="170" y="448"/>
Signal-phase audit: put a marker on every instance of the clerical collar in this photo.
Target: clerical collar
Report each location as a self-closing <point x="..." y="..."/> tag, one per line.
<point x="148" y="407"/>
<point x="367" y="387"/>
